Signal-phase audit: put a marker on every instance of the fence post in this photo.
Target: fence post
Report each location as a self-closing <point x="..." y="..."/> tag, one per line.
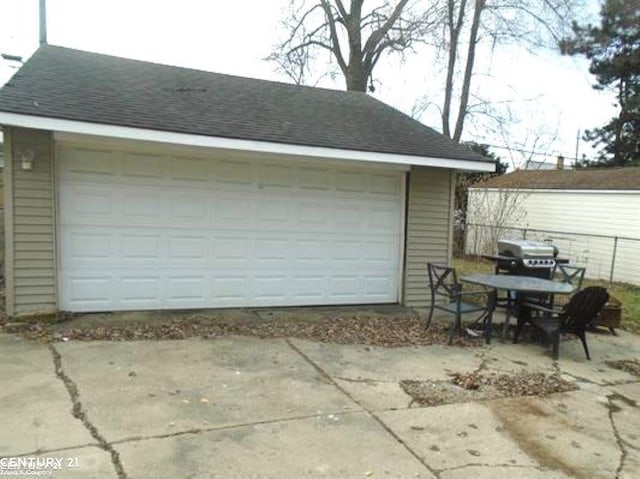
<point x="524" y="234"/>
<point x="475" y="240"/>
<point x="613" y="259"/>
<point x="465" y="231"/>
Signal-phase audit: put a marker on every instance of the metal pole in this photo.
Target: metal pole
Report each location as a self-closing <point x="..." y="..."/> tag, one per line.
<point x="43" y="22"/>
<point x="613" y="259"/>
<point x="475" y="240"/>
<point x="524" y="234"/>
<point x="465" y="232"/>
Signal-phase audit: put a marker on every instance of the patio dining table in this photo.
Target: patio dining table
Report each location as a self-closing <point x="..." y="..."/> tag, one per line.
<point x="518" y="284"/>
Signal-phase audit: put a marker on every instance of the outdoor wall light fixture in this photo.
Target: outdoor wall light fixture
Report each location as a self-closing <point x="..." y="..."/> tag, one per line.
<point x="26" y="158"/>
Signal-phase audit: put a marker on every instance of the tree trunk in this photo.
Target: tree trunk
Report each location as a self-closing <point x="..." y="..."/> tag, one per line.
<point x="466" y="84"/>
<point x="454" y="25"/>
<point x="355" y="76"/>
<point x="355" y="81"/>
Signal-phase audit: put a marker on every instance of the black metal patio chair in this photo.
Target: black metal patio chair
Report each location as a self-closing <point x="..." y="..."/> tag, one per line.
<point x="447" y="295"/>
<point x="573" y="275"/>
<point x="573" y="318"/>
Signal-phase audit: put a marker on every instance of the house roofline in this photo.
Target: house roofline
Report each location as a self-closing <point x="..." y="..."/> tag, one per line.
<point x="130" y="133"/>
<point x="558" y="190"/>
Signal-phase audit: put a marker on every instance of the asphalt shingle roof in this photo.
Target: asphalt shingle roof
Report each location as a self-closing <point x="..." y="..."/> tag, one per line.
<point x="578" y="179"/>
<point x="70" y="84"/>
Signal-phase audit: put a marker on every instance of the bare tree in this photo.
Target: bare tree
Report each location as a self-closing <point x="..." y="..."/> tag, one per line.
<point x="491" y="214"/>
<point x="355" y="39"/>
<point x="469" y="23"/>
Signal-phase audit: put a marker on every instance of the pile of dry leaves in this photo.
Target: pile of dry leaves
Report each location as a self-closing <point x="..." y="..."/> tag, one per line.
<point x="475" y="386"/>
<point x="370" y="330"/>
<point x="632" y="366"/>
<point x="522" y="383"/>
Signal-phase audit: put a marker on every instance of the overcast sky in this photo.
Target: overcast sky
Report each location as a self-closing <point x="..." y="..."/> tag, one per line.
<point x="551" y="95"/>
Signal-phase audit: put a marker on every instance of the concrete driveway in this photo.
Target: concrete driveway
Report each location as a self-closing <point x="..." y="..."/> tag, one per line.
<point x="246" y="407"/>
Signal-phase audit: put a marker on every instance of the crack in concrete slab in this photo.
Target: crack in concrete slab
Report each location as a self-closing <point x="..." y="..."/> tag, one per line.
<point x="613" y="408"/>
<point x="200" y="430"/>
<point x="484" y="360"/>
<point x="494" y="466"/>
<point x="582" y="379"/>
<point x="80" y="414"/>
<point x="365" y="380"/>
<point x="370" y="413"/>
<point x="38" y="452"/>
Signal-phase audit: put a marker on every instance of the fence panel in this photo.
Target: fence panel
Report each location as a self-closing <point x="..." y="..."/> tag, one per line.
<point x="604" y="257"/>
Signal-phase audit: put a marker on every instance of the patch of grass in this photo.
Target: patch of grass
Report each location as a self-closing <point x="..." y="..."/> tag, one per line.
<point x="627" y="294"/>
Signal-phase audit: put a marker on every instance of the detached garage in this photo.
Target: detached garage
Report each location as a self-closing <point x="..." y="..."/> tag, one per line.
<point x="132" y="185"/>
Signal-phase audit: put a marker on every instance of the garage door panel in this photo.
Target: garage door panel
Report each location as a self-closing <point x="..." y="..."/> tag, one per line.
<point x="276" y="178"/>
<point x="90" y="291"/>
<point x="90" y="246"/>
<point x="142" y="208"/>
<point x="312" y="214"/>
<point x="269" y="287"/>
<point x="272" y="252"/>
<point x="140" y="289"/>
<point x="233" y="175"/>
<point x="95" y="203"/>
<point x="137" y="165"/>
<point x="310" y="252"/>
<point x="183" y="208"/>
<point x="231" y="288"/>
<point x="349" y="216"/>
<point x="313" y="179"/>
<point x="308" y="287"/>
<point x="186" y="287"/>
<point x="274" y="213"/>
<point x="89" y="164"/>
<point x="232" y="251"/>
<point x="350" y="181"/>
<point x="346" y="287"/>
<point x="160" y="231"/>
<point x="139" y="248"/>
<point x="190" y="170"/>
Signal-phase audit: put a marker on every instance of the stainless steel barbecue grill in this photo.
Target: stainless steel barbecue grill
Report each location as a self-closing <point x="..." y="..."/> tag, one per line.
<point x="530" y="254"/>
<point x="526" y="258"/>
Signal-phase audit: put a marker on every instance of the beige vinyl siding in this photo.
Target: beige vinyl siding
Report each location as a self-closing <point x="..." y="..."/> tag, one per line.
<point x="29" y="226"/>
<point x="429" y="213"/>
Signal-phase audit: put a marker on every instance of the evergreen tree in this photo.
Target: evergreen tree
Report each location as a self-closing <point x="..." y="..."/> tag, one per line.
<point x="614" y="51"/>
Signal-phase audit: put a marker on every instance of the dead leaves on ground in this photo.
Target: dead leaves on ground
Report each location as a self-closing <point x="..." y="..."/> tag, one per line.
<point x="465" y="387"/>
<point x="368" y="330"/>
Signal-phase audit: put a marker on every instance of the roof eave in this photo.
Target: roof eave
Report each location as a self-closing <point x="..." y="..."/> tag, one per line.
<point x="67" y="128"/>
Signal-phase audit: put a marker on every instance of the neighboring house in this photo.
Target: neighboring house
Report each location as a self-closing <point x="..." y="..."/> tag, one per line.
<point x="544" y="165"/>
<point x="582" y="211"/>
<point x="136" y="186"/>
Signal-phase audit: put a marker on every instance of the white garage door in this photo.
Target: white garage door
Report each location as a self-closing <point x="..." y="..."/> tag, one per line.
<point x="146" y="231"/>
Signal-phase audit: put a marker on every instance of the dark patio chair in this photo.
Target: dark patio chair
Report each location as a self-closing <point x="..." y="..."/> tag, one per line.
<point x="573" y="318"/>
<point x="563" y="273"/>
<point x="574" y="275"/>
<point x="443" y="284"/>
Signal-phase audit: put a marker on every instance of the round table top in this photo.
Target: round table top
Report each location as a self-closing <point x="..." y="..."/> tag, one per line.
<point x="523" y="284"/>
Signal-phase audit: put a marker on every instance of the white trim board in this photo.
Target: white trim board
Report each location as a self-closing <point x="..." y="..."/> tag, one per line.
<point x="61" y="126"/>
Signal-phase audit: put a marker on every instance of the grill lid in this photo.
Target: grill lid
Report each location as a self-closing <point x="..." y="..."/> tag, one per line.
<point x="525" y="249"/>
